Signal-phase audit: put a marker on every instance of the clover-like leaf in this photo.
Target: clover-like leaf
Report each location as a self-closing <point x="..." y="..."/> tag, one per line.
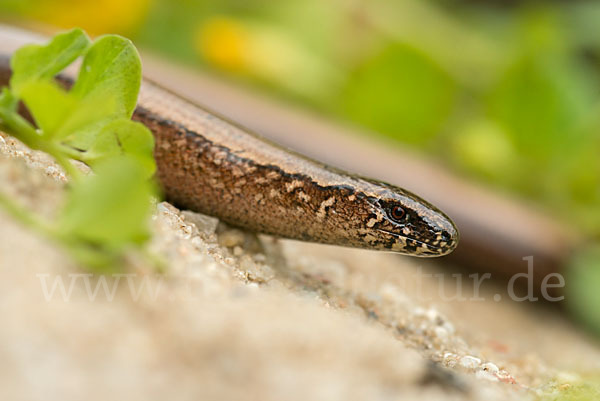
<point x="35" y="62"/>
<point x="89" y="116"/>
<point x="121" y="137"/>
<point x="58" y="113"/>
<point x="112" y="65"/>
<point x="106" y="212"/>
<point x="112" y="207"/>
<point x="49" y="105"/>
<point x="111" y="68"/>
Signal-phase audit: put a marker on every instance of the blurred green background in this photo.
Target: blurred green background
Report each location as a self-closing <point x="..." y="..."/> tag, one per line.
<point x="505" y="92"/>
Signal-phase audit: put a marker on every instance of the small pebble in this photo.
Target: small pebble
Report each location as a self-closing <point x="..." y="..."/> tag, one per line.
<point x="482" y="374"/>
<point x="205" y="224"/>
<point x="51" y="170"/>
<point x="490" y="367"/>
<point x="450" y="359"/>
<point x="470" y="362"/>
<point x="164" y="207"/>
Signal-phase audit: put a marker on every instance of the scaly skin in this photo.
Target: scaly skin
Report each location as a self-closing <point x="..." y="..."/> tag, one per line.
<point x="212" y="166"/>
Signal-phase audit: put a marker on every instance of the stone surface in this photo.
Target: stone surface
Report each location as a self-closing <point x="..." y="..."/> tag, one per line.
<point x="243" y="317"/>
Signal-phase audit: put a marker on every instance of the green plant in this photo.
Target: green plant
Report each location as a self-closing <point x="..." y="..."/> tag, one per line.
<point x="107" y="212"/>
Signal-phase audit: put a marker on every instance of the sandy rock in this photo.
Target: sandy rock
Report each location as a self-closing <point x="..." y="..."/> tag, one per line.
<point x="242" y="317"/>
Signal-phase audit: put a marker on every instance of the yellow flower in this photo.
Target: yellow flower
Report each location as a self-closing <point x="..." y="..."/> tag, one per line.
<point x="222" y="42"/>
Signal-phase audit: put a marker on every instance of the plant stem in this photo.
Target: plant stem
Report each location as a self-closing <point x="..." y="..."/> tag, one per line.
<point x="56" y="152"/>
<point x="19" y="127"/>
<point x="25" y="132"/>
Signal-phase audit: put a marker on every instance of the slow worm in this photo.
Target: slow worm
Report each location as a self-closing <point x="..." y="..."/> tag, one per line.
<point x="210" y="165"/>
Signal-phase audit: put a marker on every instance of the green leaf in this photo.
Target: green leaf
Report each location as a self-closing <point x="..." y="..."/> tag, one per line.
<point x="112" y="65"/>
<point x="60" y="114"/>
<point x="8" y="101"/>
<point x="35" y="62"/>
<point x="107" y="212"/>
<point x="124" y="137"/>
<point x="112" y="207"/>
<point x="110" y="69"/>
<point x="89" y="115"/>
<point x="49" y="105"/>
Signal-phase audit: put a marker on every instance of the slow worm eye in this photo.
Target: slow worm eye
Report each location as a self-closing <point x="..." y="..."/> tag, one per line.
<point x="397" y="213"/>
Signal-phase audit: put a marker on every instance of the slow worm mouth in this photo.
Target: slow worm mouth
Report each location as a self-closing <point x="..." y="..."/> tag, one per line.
<point x="429" y="246"/>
